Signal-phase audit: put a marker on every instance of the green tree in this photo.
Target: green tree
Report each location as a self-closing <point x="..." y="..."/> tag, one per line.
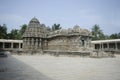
<point x="97" y="33"/>
<point x="119" y="35"/>
<point x="114" y="36"/>
<point x="21" y="31"/>
<point x="17" y="34"/>
<point x="14" y="34"/>
<point x="56" y="27"/>
<point x="3" y="31"/>
<point x="107" y="37"/>
<point x="23" y="28"/>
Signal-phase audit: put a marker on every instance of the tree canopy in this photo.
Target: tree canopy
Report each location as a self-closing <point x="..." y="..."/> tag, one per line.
<point x="17" y="33"/>
<point x="3" y="31"/>
<point x="23" y="28"/>
<point x="14" y="34"/>
<point x="115" y="36"/>
<point x="56" y="27"/>
<point x="97" y="33"/>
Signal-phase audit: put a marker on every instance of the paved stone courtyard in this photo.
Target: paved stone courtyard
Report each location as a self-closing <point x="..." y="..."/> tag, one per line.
<point x="46" y="67"/>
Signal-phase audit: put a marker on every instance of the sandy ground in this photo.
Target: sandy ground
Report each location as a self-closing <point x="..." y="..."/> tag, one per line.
<point x="46" y="67"/>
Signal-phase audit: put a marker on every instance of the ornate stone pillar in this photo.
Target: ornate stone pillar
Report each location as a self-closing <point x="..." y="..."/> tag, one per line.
<point x="25" y="43"/>
<point x="45" y="46"/>
<point x="36" y="44"/>
<point x="108" y="46"/>
<point x="116" y="48"/>
<point x="12" y="45"/>
<point x="32" y="42"/>
<point x="39" y="44"/>
<point x="28" y="46"/>
<point x="19" y="45"/>
<point x="102" y="47"/>
<point x="28" y="41"/>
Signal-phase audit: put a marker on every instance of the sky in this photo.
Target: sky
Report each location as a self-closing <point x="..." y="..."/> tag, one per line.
<point x="67" y="13"/>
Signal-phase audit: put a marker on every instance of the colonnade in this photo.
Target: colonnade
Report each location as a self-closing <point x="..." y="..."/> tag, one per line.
<point x="34" y="43"/>
<point x="31" y="43"/>
<point x="107" y="45"/>
<point x="10" y="44"/>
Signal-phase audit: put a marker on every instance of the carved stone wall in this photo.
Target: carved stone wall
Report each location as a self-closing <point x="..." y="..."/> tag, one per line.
<point x="36" y="37"/>
<point x="71" y="43"/>
<point x="58" y="43"/>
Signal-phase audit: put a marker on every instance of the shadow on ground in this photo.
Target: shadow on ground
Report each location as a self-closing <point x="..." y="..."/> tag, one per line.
<point x="13" y="69"/>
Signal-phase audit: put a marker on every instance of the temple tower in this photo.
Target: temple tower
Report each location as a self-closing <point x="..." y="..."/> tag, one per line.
<point x="32" y="38"/>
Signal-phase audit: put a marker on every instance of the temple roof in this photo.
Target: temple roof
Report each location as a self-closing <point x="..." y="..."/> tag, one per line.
<point x="34" y="20"/>
<point x="33" y="29"/>
<point x="76" y="30"/>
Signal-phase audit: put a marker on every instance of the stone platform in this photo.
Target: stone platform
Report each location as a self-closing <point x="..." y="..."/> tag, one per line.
<point x="46" y="67"/>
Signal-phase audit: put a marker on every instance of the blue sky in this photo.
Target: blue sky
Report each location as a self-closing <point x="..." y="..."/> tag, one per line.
<point x="85" y="13"/>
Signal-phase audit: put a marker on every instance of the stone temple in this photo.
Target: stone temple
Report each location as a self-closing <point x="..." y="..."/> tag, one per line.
<point x="38" y="38"/>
